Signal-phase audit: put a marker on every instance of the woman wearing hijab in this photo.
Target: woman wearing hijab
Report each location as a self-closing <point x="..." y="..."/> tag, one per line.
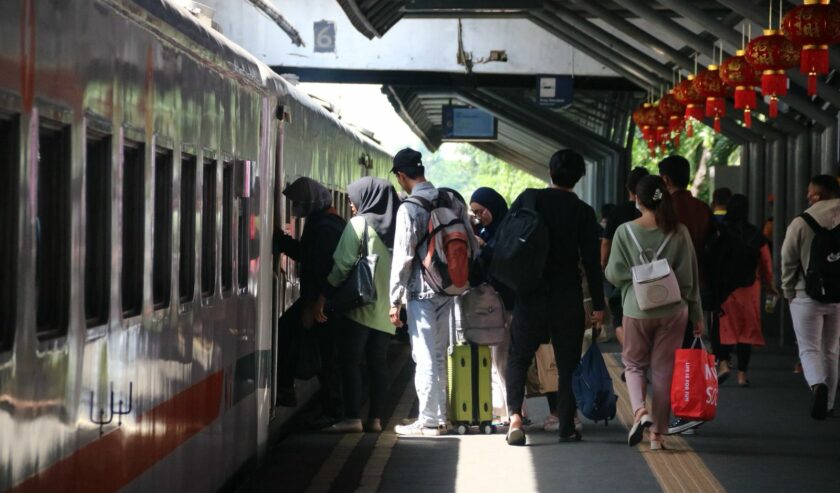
<point x="314" y="254"/>
<point x="367" y="330"/>
<point x="740" y="318"/>
<point x="489" y="208"/>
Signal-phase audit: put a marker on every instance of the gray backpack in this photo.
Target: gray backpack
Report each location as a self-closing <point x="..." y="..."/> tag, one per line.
<point x="480" y="316"/>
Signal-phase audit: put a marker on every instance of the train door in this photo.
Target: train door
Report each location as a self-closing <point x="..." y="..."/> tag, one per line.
<point x="278" y="305"/>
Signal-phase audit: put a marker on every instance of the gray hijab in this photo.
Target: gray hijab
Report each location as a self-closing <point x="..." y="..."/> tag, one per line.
<point x="377" y="201"/>
<point x="311" y="195"/>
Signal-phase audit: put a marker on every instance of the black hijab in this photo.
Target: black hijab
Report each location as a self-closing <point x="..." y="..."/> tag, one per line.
<point x="377" y="201"/>
<point x="736" y="220"/>
<point x="495" y="203"/>
<point x="311" y="195"/>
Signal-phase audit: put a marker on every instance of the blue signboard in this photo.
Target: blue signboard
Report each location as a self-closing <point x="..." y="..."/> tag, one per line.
<point x="465" y="124"/>
<point x="555" y="91"/>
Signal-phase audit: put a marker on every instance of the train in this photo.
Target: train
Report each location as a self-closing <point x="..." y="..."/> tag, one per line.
<point x="142" y="156"/>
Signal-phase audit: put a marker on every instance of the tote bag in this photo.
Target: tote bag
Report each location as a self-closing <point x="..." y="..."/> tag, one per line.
<point x="359" y="288"/>
<point x="694" y="385"/>
<point x="654" y="283"/>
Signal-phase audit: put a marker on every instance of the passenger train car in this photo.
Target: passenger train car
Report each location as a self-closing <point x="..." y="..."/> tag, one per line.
<point x="141" y="159"/>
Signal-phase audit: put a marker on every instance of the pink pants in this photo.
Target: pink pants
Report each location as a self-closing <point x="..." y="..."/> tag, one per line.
<point x="651" y="343"/>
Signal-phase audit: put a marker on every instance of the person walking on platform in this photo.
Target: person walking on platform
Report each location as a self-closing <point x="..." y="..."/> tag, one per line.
<point x="429" y="313"/>
<point x="314" y="251"/>
<point x="555" y="308"/>
<point x="696" y="216"/>
<point x="622" y="213"/>
<point x="367" y="330"/>
<point x="651" y="336"/>
<point x="720" y="200"/>
<point x="489" y="208"/>
<point x="739" y="260"/>
<point x="811" y="284"/>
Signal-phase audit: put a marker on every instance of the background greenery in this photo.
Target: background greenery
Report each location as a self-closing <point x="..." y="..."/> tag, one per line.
<point x="703" y="150"/>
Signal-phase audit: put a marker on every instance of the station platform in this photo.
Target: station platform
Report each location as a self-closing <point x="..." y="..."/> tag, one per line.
<point x="763" y="439"/>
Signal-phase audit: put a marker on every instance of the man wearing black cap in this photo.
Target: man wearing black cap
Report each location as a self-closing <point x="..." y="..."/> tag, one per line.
<point x="429" y="313"/>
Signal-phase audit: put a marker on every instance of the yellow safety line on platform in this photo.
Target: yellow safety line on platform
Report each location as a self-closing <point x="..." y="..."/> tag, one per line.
<point x="678" y="469"/>
<point x="332" y="466"/>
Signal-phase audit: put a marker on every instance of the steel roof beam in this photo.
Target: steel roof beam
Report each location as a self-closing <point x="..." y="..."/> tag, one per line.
<point x="752" y="12"/>
<point x="733" y="37"/>
<point x="697" y="43"/>
<point x="571" y="21"/>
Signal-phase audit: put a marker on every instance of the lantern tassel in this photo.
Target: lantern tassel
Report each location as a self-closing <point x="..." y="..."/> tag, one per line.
<point x="812" y="84"/>
<point x="689" y="131"/>
<point x="774" y="106"/>
<point x="773" y="84"/>
<point x="676" y="140"/>
<point x="748" y="118"/>
<point x="745" y="97"/>
<point x="717" y="125"/>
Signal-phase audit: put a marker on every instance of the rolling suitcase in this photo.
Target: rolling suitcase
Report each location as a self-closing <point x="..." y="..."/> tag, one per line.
<point x="470" y="394"/>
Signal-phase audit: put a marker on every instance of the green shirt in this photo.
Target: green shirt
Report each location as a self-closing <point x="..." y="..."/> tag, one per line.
<point x="376" y="315"/>
<point x="680" y="255"/>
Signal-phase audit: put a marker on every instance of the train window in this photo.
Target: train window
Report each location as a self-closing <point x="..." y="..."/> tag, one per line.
<point x="186" y="270"/>
<point x="9" y="203"/>
<point x="227" y="228"/>
<point x="246" y="227"/>
<point x="133" y="217"/>
<point x="208" y="229"/>
<point x="98" y="228"/>
<point x="162" y="247"/>
<point x="52" y="230"/>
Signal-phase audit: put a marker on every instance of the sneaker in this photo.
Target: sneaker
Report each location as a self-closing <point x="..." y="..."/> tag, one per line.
<point x="345" y="426"/>
<point x="819" y="409"/>
<point x="552" y="423"/>
<point x="417" y="428"/>
<point x="682" y="426"/>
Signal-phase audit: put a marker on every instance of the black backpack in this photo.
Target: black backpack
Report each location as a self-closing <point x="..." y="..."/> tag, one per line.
<point x="822" y="277"/>
<point x="733" y="258"/>
<point x="521" y="248"/>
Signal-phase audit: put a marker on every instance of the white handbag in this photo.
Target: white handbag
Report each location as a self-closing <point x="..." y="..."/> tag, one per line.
<point x="654" y="283"/>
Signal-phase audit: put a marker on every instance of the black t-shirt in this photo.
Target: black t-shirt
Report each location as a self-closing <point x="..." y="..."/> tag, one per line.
<point x="622" y="213"/>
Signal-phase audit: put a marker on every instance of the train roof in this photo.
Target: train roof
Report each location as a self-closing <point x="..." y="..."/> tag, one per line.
<point x="237" y="62"/>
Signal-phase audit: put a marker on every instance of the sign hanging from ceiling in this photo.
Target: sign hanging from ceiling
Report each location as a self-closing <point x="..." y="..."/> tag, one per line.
<point x="465" y="124"/>
<point x="324" y="37"/>
<point x="555" y="91"/>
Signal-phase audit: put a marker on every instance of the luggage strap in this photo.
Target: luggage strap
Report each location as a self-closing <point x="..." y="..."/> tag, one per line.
<point x="642" y="255"/>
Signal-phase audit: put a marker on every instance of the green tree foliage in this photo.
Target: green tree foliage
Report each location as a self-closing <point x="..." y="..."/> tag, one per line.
<point x="703" y="150"/>
<point x="464" y="168"/>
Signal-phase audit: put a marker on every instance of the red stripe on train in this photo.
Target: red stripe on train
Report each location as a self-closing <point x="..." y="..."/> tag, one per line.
<point x="117" y="458"/>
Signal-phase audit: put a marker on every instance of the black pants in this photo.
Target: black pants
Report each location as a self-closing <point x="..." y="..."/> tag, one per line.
<point x="329" y="379"/>
<point x="558" y="314"/>
<point x="360" y="344"/>
<point x="744" y="351"/>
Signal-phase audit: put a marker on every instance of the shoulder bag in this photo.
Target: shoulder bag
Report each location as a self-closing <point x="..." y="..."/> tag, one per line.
<point x="359" y="288"/>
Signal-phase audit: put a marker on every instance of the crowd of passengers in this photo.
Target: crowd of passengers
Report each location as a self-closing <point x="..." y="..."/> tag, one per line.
<point x="661" y="218"/>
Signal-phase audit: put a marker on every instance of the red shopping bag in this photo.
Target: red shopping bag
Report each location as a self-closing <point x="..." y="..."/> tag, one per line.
<point x="694" y="387"/>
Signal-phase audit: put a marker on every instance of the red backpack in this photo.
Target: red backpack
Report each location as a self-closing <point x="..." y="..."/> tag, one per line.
<point x="448" y="252"/>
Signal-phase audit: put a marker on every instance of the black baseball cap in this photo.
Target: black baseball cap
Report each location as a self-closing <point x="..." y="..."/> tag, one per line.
<point x="407" y="159"/>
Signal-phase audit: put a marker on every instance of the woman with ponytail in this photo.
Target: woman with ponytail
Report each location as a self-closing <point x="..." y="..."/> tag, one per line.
<point x="652" y="336"/>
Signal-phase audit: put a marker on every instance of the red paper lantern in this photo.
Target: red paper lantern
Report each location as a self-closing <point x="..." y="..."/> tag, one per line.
<point x="772" y="54"/>
<point x="672" y="110"/>
<point x="709" y="84"/>
<point x="812" y="27"/>
<point x="693" y="101"/>
<point x="738" y="74"/>
<point x="652" y="125"/>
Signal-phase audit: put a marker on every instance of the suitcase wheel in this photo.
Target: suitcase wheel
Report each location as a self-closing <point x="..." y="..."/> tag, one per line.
<point x="462" y="429"/>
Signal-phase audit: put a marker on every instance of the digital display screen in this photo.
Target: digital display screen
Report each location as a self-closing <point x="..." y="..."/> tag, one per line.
<point x="465" y="124"/>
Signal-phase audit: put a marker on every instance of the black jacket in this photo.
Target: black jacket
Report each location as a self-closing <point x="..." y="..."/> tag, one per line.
<point x="314" y="251"/>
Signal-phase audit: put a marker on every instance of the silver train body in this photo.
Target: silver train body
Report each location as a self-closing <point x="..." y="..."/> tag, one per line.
<point x="141" y="159"/>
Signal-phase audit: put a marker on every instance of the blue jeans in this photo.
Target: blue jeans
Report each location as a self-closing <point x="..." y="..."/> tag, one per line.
<point x="429" y="323"/>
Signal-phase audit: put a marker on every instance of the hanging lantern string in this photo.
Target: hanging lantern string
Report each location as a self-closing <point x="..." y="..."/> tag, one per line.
<point x="781" y="7"/>
<point x="770" y="20"/>
<point x="695" y="63"/>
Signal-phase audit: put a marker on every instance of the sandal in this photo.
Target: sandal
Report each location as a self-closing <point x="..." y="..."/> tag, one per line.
<point x="637" y="431"/>
<point x="657" y="444"/>
<point x="515" y="437"/>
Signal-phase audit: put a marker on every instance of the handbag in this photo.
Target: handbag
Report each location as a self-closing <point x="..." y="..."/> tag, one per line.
<point x="694" y="385"/>
<point x="359" y="288"/>
<point x="654" y="283"/>
<point x="480" y="316"/>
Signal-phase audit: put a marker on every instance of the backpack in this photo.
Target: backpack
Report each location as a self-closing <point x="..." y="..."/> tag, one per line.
<point x="822" y="277"/>
<point x="480" y="316"/>
<point x="522" y="245"/>
<point x="592" y="386"/>
<point x="733" y="259"/>
<point x="448" y="252"/>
